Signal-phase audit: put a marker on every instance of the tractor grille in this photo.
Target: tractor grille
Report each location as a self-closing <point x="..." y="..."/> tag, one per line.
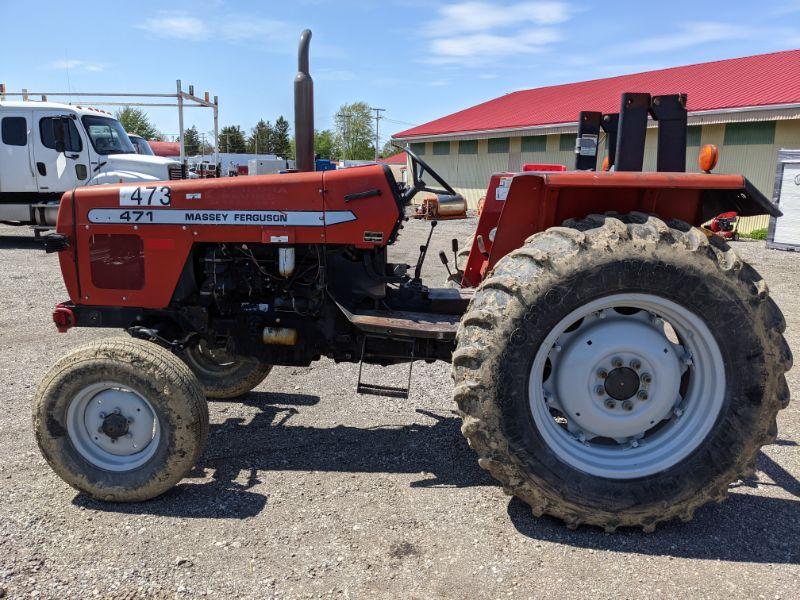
<point x="175" y="171"/>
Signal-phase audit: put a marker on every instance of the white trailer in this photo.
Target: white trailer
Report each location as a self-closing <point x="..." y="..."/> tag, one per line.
<point x="268" y="166"/>
<point x="48" y="148"/>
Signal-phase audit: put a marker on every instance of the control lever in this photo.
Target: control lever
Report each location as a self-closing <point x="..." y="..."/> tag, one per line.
<point x="454" y="243"/>
<point x="445" y="262"/>
<point x="423" y="250"/>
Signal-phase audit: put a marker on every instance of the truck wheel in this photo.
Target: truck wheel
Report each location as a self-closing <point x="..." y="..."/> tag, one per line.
<point x="223" y="375"/>
<point x="621" y="371"/>
<point x="120" y="420"/>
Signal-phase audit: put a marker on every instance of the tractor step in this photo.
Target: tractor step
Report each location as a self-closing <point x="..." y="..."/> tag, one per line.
<point x="374" y="389"/>
<point x="407" y="324"/>
<point x="400" y="324"/>
<point x="369" y="389"/>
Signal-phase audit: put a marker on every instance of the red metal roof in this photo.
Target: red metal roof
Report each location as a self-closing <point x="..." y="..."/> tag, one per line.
<point x="394" y="159"/>
<point x="761" y="80"/>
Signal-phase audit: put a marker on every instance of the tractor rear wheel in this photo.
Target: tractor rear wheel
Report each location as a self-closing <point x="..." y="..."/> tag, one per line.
<point x="121" y="420"/>
<point x="620" y="371"/>
<point x="221" y="374"/>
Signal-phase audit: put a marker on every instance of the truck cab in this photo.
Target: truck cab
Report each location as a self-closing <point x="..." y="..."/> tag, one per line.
<point x="141" y="145"/>
<point x="48" y="148"/>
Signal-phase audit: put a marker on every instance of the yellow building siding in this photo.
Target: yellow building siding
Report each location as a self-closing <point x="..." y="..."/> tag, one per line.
<point x="469" y="173"/>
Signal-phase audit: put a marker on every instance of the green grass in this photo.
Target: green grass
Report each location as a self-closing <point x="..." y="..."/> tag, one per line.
<point x="756" y="234"/>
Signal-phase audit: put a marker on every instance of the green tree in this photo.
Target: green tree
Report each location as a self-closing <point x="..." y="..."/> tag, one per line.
<point x="191" y="141"/>
<point x="354" y="137"/>
<point x="261" y="138"/>
<point x="281" y="144"/>
<point x="389" y="150"/>
<point x="231" y="139"/>
<point x="136" y="121"/>
<point x="324" y="142"/>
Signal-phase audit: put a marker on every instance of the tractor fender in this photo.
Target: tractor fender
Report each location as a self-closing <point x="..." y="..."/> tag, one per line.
<point x="519" y="205"/>
<point x="746" y="202"/>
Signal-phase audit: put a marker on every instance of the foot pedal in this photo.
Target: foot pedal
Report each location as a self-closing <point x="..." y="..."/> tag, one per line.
<point x="374" y="389"/>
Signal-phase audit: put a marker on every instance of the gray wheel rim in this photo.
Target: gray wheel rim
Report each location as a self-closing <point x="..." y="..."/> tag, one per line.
<point x="113" y="427"/>
<point x="627" y="386"/>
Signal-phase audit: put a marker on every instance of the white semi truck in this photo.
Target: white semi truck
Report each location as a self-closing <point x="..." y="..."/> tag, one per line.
<point x="47" y="148"/>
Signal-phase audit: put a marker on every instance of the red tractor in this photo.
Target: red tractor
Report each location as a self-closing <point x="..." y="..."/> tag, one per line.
<point x="724" y="225"/>
<point x="591" y="365"/>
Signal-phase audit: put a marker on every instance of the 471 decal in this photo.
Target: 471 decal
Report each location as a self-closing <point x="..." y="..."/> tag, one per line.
<point x="135" y="216"/>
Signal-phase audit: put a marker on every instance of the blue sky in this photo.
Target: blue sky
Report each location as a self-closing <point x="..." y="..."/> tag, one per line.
<point x="417" y="59"/>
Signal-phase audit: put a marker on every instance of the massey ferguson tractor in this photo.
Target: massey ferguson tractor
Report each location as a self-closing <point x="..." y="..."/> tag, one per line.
<point x="589" y="337"/>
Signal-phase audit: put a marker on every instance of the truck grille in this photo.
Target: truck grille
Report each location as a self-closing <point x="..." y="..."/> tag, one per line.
<point x="175" y="171"/>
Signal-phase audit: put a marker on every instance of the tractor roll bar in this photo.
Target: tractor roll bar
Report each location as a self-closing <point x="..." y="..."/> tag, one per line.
<point x="669" y="111"/>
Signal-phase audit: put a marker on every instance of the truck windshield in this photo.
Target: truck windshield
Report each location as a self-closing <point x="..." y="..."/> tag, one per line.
<point x="107" y="135"/>
<point x="141" y="145"/>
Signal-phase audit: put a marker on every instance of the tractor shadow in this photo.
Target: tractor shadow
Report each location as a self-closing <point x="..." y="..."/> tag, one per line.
<point x="744" y="528"/>
<point x="239" y="449"/>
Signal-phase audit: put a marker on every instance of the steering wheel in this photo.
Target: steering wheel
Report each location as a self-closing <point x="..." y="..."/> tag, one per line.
<point x="418" y="168"/>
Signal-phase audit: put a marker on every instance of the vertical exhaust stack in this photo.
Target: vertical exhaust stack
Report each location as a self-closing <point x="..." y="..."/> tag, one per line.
<point x="304" y="108"/>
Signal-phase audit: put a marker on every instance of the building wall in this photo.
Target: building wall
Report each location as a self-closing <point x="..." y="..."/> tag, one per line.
<point x="748" y="150"/>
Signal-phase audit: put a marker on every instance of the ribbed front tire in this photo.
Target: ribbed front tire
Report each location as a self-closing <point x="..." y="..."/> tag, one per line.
<point x="121" y="420"/>
<point x="223" y="375"/>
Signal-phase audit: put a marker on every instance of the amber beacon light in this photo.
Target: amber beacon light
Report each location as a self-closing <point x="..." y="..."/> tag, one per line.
<point x="707" y="160"/>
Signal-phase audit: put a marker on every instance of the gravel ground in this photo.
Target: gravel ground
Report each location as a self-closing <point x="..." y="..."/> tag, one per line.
<point x="307" y="490"/>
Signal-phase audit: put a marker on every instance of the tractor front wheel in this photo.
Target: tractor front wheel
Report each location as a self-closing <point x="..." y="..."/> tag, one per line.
<point x="120" y="420"/>
<point x="221" y="374"/>
<point x="621" y="371"/>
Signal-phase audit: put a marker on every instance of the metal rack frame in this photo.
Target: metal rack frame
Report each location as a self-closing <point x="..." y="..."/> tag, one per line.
<point x="183" y="99"/>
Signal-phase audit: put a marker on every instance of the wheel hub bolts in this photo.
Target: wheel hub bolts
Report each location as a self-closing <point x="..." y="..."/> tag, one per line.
<point x="114" y="426"/>
<point x="602" y="373"/>
<point x="610" y="404"/>
<point x="646" y="378"/>
<point x="600" y="390"/>
<point x="617" y="362"/>
<point x="636" y="365"/>
<point x="627" y="405"/>
<point x="642" y="395"/>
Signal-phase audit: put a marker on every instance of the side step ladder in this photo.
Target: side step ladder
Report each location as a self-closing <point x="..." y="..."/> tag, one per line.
<point x="374" y="389"/>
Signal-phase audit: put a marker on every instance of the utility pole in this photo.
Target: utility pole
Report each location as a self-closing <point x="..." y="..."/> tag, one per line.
<point x="184" y="162"/>
<point x="378" y="112"/>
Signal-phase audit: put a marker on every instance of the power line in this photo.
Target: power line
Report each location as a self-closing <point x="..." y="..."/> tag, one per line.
<point x="388" y="120"/>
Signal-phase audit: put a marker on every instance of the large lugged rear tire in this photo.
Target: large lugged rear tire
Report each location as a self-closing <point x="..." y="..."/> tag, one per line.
<point x="121" y="420"/>
<point x="223" y="375"/>
<point x="620" y="371"/>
